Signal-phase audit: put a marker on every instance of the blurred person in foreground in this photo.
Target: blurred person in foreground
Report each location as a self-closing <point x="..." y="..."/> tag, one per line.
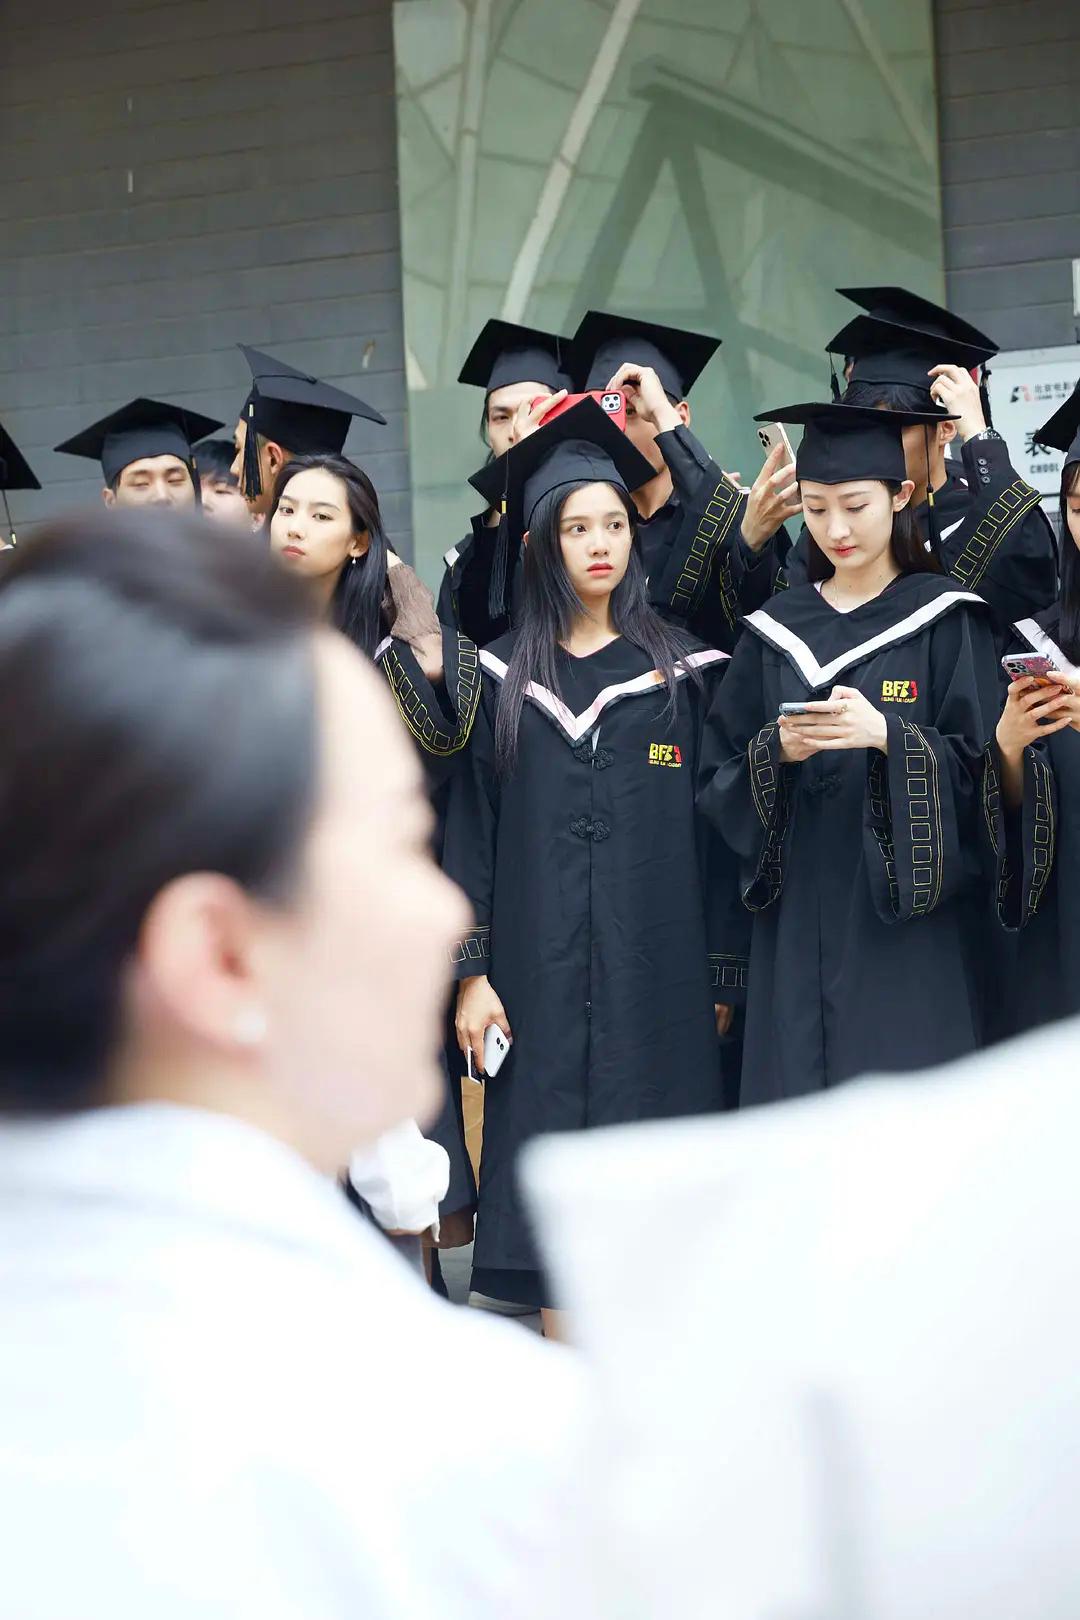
<point x="870" y="1407"/>
<point x="222" y="948"/>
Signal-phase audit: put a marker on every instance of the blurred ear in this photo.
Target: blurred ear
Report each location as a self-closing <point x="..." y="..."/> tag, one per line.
<point x="946" y="432"/>
<point x="903" y="495"/>
<point x="683" y="408"/>
<point x="108" y="496"/>
<point x="525" y="538"/>
<point x="360" y="544"/>
<point x="195" y="962"/>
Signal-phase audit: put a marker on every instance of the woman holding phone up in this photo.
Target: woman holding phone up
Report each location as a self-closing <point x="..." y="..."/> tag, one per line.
<point x="1035" y="803"/>
<point x="851" y="726"/>
<point x="599" y="948"/>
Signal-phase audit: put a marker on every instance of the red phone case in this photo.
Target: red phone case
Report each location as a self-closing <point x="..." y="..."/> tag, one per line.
<point x="612" y="401"/>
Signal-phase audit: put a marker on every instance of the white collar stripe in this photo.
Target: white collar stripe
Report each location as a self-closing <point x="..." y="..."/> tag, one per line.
<point x="786" y="641"/>
<point x="451" y="556"/>
<point x="383" y="648"/>
<point x="577" y="726"/>
<point x="1034" y="634"/>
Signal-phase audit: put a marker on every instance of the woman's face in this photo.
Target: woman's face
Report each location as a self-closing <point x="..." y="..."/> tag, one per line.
<point x="852" y="523"/>
<point x="312" y="530"/>
<point x="354" y="977"/>
<point x="1072" y="506"/>
<point x="595" y="538"/>
<point x="502" y="404"/>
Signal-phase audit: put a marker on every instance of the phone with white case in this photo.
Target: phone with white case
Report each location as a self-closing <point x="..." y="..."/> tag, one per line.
<point x="496" y="1047"/>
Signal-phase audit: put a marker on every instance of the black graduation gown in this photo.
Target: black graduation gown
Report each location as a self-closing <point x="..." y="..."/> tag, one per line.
<point x="1038" y="858"/>
<point x="600" y="919"/>
<point x="701" y="573"/>
<point x="463" y="593"/>
<point x="440" y="721"/>
<point x="861" y="869"/>
<point x="995" y="537"/>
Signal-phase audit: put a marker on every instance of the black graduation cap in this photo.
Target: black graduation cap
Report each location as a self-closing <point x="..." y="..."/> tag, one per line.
<point x="901" y="336"/>
<point x="142" y="427"/>
<point x="296" y="410"/>
<point x="15" y="473"/>
<point x="843" y="442"/>
<point x="1062" y="430"/>
<point x="583" y="444"/>
<point x="506" y="353"/>
<point x="603" y="342"/>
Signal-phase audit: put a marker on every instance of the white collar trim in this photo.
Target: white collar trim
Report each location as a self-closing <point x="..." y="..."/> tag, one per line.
<point x="451" y="557"/>
<point x="785" y="640"/>
<point x="382" y="649"/>
<point x="1034" y="633"/>
<point x="577" y="726"/>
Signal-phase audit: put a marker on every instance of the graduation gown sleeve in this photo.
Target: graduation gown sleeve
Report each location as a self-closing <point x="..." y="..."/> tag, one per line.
<point x="746" y="792"/>
<point x="727" y="921"/>
<point x="1004" y="549"/>
<point x="469" y="848"/>
<point x="1022" y="841"/>
<point x="698" y="585"/>
<point x="439" y="715"/>
<point x="463" y="594"/>
<point x="924" y="796"/>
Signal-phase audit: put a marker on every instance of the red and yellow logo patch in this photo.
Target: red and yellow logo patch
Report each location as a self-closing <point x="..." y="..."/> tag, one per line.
<point x="665" y="754"/>
<point x="899" y="691"/>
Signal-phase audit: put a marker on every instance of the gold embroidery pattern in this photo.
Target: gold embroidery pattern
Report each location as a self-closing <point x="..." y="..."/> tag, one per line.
<point x="728" y="972"/>
<point x="432" y="737"/>
<point x="766" y="781"/>
<point x="1042" y="833"/>
<point x="762" y="773"/>
<point x="712" y="530"/>
<point x="1010" y="508"/>
<point x="924" y="819"/>
<point x="880" y="825"/>
<point x="991" y="801"/>
<point x="474" y="948"/>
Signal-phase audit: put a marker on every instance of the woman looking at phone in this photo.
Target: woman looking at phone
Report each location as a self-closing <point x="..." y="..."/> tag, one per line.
<point x="1036" y="826"/>
<point x="599" y="947"/>
<point x="855" y="817"/>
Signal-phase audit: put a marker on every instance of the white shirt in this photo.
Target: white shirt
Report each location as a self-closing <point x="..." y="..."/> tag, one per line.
<point x="858" y="1373"/>
<point x="222" y="1395"/>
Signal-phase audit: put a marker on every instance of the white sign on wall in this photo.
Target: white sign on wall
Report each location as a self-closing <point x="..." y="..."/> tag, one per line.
<point x="1026" y="387"/>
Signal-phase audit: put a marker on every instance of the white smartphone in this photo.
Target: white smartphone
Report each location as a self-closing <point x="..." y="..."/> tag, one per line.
<point x="496" y="1046"/>
<point x="770" y="434"/>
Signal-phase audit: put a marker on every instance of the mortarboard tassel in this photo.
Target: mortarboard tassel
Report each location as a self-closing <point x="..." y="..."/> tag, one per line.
<point x="12" y="540"/>
<point x="932" y="532"/>
<point x="834" y="382"/>
<point x="252" y="476"/>
<point x="984" y="395"/>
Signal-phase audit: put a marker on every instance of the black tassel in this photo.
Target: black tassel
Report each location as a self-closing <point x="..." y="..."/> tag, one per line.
<point x="7" y="513"/>
<point x="834" y="382"/>
<point x="504" y="561"/>
<point x="984" y="395"/>
<point x="933" y="534"/>
<point x="252" y="476"/>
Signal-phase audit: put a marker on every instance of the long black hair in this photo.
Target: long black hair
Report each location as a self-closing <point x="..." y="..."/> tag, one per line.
<point x="907" y="543"/>
<point x="550" y="608"/>
<point x="1069" y="595"/>
<point x="164" y="721"/>
<point x="355" y="607"/>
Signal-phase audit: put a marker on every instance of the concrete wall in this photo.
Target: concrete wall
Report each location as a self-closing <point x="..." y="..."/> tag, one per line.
<point x="1009" y="98"/>
<point x="180" y="176"/>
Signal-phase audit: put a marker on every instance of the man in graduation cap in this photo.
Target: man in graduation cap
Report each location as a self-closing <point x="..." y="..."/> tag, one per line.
<point x="15" y="473"/>
<point x="514" y="365"/>
<point x="701" y="536"/>
<point x="145" y="451"/>
<point x="288" y="413"/>
<point x="986" y="522"/>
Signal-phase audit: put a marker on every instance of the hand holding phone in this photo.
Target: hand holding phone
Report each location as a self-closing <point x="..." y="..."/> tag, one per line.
<point x="771" y="435"/>
<point x="1033" y="666"/>
<point x="612" y="401"/>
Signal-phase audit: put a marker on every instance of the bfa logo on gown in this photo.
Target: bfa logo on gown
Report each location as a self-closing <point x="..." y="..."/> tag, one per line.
<point x="899" y="691"/>
<point x="665" y="754"/>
